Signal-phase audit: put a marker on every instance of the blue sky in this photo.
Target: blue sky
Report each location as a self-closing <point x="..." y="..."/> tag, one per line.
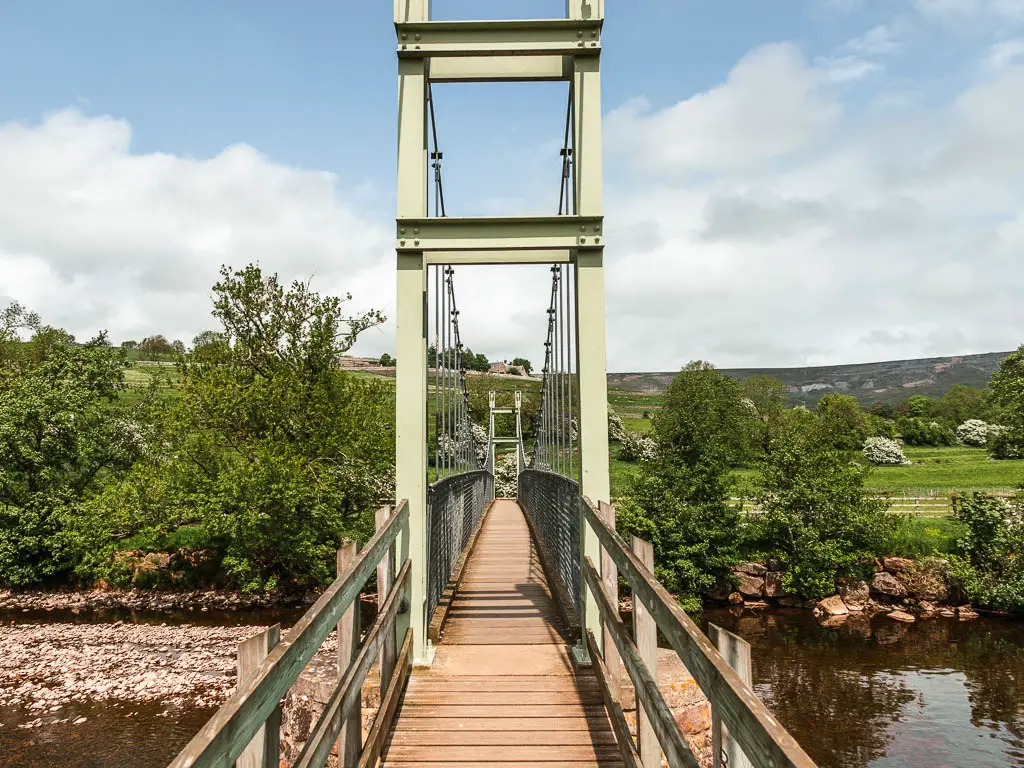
<point x="756" y="151"/>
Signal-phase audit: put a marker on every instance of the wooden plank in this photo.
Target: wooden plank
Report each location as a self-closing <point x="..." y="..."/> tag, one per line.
<point x="511" y="764"/>
<point x="385" y="578"/>
<point x="350" y="724"/>
<point x="647" y="692"/>
<point x="480" y="698"/>
<point x="537" y="711"/>
<point x="531" y="752"/>
<point x="388" y="706"/>
<point x="610" y="576"/>
<point x="440" y="616"/>
<point x="624" y="739"/>
<point x="504" y="738"/>
<point x="736" y="651"/>
<point x="264" y="751"/>
<point x="318" y="746"/>
<point x="225" y="735"/>
<point x="758" y="731"/>
<point x="645" y="634"/>
<point x="593" y="721"/>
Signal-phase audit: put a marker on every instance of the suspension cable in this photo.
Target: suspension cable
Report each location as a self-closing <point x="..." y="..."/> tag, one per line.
<point x="436" y="157"/>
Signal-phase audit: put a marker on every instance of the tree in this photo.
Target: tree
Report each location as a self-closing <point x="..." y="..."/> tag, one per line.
<point x="155" y="347"/>
<point x="816" y="517"/>
<point x="523" y="363"/>
<point x="680" y="501"/>
<point x="925" y="432"/>
<point x="59" y="439"/>
<point x="991" y="551"/>
<point x="960" y="404"/>
<point x="1008" y="391"/>
<point x="841" y="422"/>
<point x="768" y="396"/>
<point x="387" y="361"/>
<point x="919" y="406"/>
<point x="128" y="346"/>
<point x="271" y="449"/>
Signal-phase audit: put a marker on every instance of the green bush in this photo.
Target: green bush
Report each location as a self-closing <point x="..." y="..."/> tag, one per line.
<point x="917" y="431"/>
<point x="816" y="517"/>
<point x="990" y="565"/>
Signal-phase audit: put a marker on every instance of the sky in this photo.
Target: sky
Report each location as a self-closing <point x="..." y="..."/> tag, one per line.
<point x="787" y="183"/>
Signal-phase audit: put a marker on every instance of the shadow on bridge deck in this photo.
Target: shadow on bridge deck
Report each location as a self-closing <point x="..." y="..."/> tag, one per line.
<point x="503" y="690"/>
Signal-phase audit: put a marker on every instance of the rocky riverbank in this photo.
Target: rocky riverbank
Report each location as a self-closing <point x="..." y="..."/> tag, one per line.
<point x="149" y="600"/>
<point x="46" y="667"/>
<point x="901" y="588"/>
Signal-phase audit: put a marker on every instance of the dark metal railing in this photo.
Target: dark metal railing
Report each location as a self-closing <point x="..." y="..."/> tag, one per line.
<point x="454" y="508"/>
<point x="553" y="505"/>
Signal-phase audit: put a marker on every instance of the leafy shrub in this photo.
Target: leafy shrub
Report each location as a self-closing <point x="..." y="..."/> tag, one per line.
<point x="638" y="447"/>
<point x="973" y="432"/>
<point x="616" y="430"/>
<point x="917" y="431"/>
<point x="880" y="427"/>
<point x="990" y="566"/>
<point x="816" y="517"/>
<point x="1003" y="444"/>
<point x="506" y="476"/>
<point x="883" y="452"/>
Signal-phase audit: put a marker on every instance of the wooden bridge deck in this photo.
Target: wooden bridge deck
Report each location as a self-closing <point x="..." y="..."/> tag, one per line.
<point x="502" y="690"/>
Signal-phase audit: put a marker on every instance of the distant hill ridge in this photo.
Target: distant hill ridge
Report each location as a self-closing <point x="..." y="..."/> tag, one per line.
<point x="889" y="382"/>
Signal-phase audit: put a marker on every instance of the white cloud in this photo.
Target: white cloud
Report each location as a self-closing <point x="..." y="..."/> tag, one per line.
<point x="771" y="105"/>
<point x="1006" y="53"/>
<point x="892" y="232"/>
<point x="94" y="236"/>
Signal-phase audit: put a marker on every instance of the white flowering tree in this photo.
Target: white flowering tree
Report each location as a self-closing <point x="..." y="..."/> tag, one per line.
<point x="975" y="432"/>
<point x="638" y="447"/>
<point x="883" y="452"/>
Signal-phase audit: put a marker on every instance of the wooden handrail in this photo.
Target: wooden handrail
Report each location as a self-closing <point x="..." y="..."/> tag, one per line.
<point x="388" y="706"/>
<point x="764" y="740"/>
<point x="225" y="735"/>
<point x="647" y="691"/>
<point x="321" y="740"/>
<point x="618" y="718"/>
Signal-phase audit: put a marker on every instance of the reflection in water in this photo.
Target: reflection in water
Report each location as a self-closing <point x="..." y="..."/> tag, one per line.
<point x="935" y="694"/>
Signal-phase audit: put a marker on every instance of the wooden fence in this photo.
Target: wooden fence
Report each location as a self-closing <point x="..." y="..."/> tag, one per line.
<point x="930" y="505"/>
<point x="245" y="731"/>
<point x="755" y="731"/>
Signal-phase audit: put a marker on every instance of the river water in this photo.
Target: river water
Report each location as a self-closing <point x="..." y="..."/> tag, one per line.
<point x="935" y="694"/>
<point x="871" y="693"/>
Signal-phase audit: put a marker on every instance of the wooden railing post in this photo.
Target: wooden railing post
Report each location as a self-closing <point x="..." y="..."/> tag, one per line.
<point x="610" y="577"/>
<point x="736" y="652"/>
<point x="350" y="739"/>
<point x="645" y="632"/>
<point x="264" y="751"/>
<point x="385" y="578"/>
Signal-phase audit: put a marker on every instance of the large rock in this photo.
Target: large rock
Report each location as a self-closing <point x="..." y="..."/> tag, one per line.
<point x="885" y="583"/>
<point x="773" y="584"/>
<point x="902" y="616"/>
<point x="856" y="596"/>
<point x="752" y="569"/>
<point x="897" y="564"/>
<point x="833" y="606"/>
<point x="927" y="580"/>
<point x="721" y="590"/>
<point x="750" y="586"/>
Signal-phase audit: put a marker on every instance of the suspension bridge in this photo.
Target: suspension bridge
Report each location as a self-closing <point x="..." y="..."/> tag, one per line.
<point x="498" y="635"/>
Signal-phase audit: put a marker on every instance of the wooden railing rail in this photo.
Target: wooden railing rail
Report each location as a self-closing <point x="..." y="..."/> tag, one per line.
<point x="229" y="732"/>
<point x="763" y="739"/>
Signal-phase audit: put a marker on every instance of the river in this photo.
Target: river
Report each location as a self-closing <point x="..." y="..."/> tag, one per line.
<point x="935" y="694"/>
<point x="866" y="693"/>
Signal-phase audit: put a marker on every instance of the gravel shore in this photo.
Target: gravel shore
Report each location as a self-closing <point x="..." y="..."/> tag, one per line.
<point x="44" y="667"/>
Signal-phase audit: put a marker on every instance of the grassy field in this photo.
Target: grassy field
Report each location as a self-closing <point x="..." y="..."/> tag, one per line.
<point x="947" y="469"/>
<point x="936" y="471"/>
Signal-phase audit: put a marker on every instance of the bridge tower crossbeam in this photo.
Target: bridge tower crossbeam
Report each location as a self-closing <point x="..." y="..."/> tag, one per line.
<point x="567" y="50"/>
